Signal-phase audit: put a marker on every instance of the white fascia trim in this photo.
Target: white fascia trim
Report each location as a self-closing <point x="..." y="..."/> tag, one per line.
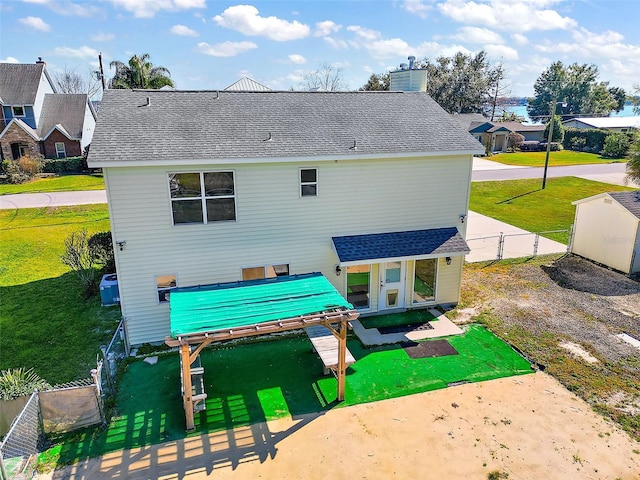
<point x="593" y="197"/>
<point x="27" y="129"/>
<point x="402" y="259"/>
<point x="239" y="161"/>
<point x="62" y="130"/>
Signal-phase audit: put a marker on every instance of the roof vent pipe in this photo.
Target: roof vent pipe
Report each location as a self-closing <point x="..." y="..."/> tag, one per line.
<point x="411" y="59"/>
<point x="403" y="66"/>
<point x="148" y="101"/>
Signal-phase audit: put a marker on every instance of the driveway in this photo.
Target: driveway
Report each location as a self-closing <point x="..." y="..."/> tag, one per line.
<point x="53" y="199"/>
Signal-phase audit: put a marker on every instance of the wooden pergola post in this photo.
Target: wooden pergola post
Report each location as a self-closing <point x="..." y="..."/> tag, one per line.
<point x="188" y="389"/>
<point x="342" y="354"/>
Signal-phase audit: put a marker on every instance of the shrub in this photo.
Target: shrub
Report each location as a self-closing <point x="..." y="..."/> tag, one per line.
<point x="63" y="165"/>
<point x="30" y="165"/>
<point x="78" y="257"/>
<point x="577" y="144"/>
<point x="17" y="382"/>
<point x="22" y="170"/>
<point x="616" y="145"/>
<point x="513" y="139"/>
<point x="101" y="248"/>
<point x="13" y="173"/>
<point x="593" y="138"/>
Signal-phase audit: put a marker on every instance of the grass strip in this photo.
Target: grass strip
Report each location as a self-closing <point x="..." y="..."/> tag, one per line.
<point x="556" y="159"/>
<point x="63" y="183"/>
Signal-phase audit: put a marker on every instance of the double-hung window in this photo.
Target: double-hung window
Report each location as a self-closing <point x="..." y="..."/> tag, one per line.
<point x="308" y="182"/>
<point x="61" y="151"/>
<point x="203" y="197"/>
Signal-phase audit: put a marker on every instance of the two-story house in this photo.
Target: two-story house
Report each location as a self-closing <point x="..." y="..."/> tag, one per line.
<point x="36" y="119"/>
<point x="369" y="188"/>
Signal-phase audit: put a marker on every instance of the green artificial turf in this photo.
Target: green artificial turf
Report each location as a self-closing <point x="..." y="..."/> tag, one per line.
<point x="266" y="380"/>
<point x="64" y="183"/>
<point x="524" y="204"/>
<point x="561" y="158"/>
<point x="46" y="322"/>
<point x="396" y="319"/>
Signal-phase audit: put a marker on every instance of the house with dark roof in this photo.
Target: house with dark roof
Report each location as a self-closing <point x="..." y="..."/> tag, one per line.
<point x="496" y="134"/>
<point x="607" y="230"/>
<point x="36" y="119"/>
<point x="370" y="189"/>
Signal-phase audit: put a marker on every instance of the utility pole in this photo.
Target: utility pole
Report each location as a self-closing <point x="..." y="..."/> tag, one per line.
<point x="549" y="138"/>
<point x="104" y="86"/>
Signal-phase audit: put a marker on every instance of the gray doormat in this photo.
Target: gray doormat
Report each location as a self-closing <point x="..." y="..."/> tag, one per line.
<point x="430" y="349"/>
<point x="409" y="327"/>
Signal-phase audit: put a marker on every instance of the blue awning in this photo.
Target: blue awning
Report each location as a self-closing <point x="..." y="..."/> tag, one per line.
<point x="413" y="244"/>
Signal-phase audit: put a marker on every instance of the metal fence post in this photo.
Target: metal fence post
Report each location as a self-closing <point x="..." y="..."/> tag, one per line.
<point x="535" y="244"/>
<point x="500" y="246"/>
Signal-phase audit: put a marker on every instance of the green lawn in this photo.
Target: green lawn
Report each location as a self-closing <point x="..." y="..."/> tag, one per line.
<point x="260" y="381"/>
<point x="522" y="203"/>
<point x="45" y="321"/>
<point x="563" y="157"/>
<point x="64" y="183"/>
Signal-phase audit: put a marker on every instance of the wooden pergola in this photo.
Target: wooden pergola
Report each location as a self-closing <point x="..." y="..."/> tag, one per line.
<point x="191" y="343"/>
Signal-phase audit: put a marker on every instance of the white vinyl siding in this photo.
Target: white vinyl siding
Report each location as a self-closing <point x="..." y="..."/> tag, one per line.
<point x="358" y="197"/>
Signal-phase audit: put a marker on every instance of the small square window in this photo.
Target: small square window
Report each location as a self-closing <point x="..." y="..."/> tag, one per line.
<point x="268" y="271"/>
<point x="18" y="111"/>
<point x="164" y="284"/>
<point x="308" y="182"/>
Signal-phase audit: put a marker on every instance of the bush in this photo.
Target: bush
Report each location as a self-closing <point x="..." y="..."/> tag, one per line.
<point x="577" y="144"/>
<point x="17" y="382"/>
<point x="22" y="170"/>
<point x="616" y="145"/>
<point x="30" y="165"/>
<point x="63" y="165"/>
<point x="79" y="258"/>
<point x="592" y="139"/>
<point x="101" y="248"/>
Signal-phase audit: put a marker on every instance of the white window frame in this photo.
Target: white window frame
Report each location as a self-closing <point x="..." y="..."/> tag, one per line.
<point x="435" y="278"/>
<point x="304" y="184"/>
<point x="63" y="151"/>
<point x="165" y="290"/>
<point x="203" y="198"/>
<point x="264" y="271"/>
<point x="13" y="111"/>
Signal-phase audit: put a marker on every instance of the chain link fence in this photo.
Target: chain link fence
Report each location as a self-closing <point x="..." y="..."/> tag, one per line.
<point x="112" y="357"/>
<point x="514" y="245"/>
<point x="19" y="449"/>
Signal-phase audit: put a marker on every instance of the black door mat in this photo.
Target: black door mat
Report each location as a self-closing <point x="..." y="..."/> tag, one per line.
<point x="409" y="327"/>
<point x="433" y="348"/>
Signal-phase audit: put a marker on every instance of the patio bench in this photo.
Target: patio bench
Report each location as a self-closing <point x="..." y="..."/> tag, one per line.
<point x="326" y="346"/>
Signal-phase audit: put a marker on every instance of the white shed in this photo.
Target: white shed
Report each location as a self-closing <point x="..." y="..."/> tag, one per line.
<point x="607" y="230"/>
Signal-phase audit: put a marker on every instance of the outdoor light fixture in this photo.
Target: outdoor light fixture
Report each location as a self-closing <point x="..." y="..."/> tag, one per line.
<point x="462" y="218"/>
<point x="338" y="270"/>
<point x="448" y="260"/>
<point x="121" y="244"/>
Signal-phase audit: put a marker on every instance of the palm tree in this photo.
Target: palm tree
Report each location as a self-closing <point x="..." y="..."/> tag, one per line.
<point x="139" y="73"/>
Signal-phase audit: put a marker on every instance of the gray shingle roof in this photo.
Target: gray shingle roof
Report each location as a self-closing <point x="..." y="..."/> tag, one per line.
<point x="629" y="200"/>
<point x="434" y="241"/>
<point x="66" y="109"/>
<point x="187" y="125"/>
<point x="19" y="82"/>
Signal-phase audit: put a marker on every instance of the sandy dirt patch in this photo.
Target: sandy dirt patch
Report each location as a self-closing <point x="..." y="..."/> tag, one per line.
<point x="528" y="427"/>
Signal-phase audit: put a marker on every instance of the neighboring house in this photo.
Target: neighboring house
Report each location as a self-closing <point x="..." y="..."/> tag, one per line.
<point x="607" y="230"/>
<point x="246" y="84"/>
<point x="496" y="134"/>
<point x="36" y="119"/>
<point x="613" y="124"/>
<point x="369" y="188"/>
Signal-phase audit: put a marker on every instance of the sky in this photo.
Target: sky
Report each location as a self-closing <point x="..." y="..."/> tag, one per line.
<point x="208" y="45"/>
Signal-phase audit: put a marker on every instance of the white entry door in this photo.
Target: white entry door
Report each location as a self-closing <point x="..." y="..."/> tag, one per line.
<point x="392" y="285"/>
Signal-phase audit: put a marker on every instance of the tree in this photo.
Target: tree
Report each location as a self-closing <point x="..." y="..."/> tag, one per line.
<point x="462" y="83"/>
<point x="70" y="81"/>
<point x="633" y="162"/>
<point x="377" y="82"/>
<point x="635" y="100"/>
<point x="510" y="117"/>
<point x="327" y="78"/>
<point x="558" y="130"/>
<point x="513" y="139"/>
<point x="577" y="86"/>
<point x="616" y="145"/>
<point x="139" y="72"/>
<point x="498" y="92"/>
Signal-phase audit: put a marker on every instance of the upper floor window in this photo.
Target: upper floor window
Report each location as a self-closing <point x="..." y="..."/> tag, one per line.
<point x="266" y="271"/>
<point x="18" y="111"/>
<point x="202" y="197"/>
<point x="308" y="182"/>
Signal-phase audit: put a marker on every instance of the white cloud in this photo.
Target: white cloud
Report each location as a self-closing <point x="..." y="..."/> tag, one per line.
<point x="81" y="52"/>
<point x="69" y="8"/>
<point x="326" y="28"/>
<point x="417" y="7"/>
<point x="102" y="37"/>
<point x="519" y="38"/>
<point x="10" y="60"/>
<point x="246" y="19"/>
<point x="226" y="49"/>
<point x="501" y="52"/>
<point x="297" y="59"/>
<point x="148" y="8"/>
<point x="36" y="23"/>
<point x="183" y="30"/>
<point x="508" y="15"/>
<point x="478" y="35"/>
<point x="336" y="43"/>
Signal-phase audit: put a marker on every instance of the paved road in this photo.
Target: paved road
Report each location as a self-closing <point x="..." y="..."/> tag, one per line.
<point x="53" y="199"/>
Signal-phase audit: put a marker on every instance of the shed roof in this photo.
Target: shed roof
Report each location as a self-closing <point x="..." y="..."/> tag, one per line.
<point x="238" y="304"/>
<point x="629" y="200"/>
<point x="19" y="82"/>
<point x="180" y="126"/>
<point x="247" y="84"/>
<point x="65" y="109"/>
<point x="436" y="242"/>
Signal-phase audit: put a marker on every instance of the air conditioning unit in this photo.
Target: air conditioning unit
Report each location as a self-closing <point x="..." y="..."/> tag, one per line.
<point x="109" y="293"/>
